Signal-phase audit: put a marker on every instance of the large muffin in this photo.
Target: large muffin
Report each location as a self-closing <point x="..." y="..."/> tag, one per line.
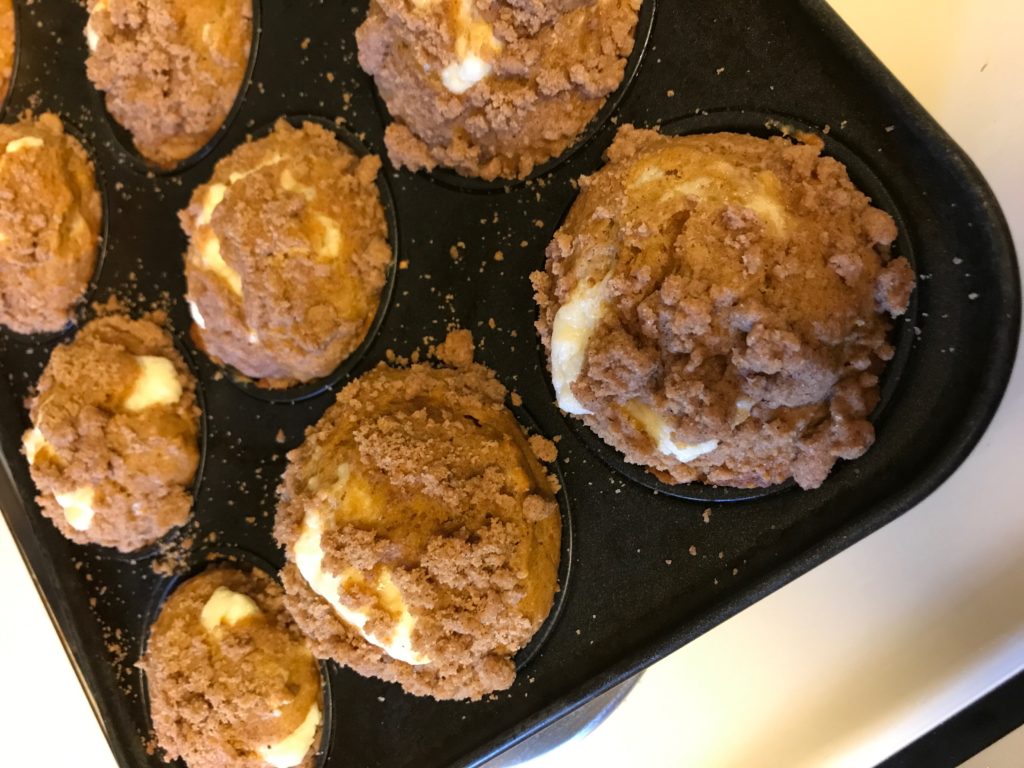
<point x="113" y="447"/>
<point x="230" y="679"/>
<point x="288" y="255"/>
<point x="715" y="307"/>
<point x="421" y="534"/>
<point x="493" y="87"/>
<point x="50" y="215"/>
<point x="171" y="69"/>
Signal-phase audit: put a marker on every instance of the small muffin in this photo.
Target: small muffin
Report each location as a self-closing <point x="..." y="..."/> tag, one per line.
<point x="113" y="448"/>
<point x="50" y="215"/>
<point x="493" y="87"/>
<point x="421" y="534"/>
<point x="171" y="69"/>
<point x="7" y="43"/>
<point x="287" y="256"/>
<point x="230" y="679"/>
<point x="715" y="307"/>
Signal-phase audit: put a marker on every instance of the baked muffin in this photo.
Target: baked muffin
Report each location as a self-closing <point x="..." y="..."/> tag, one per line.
<point x="287" y="256"/>
<point x="230" y="679"/>
<point x="716" y="308"/>
<point x="171" y="69"/>
<point x="421" y="534"/>
<point x="493" y="88"/>
<point x="7" y="43"/>
<point x="113" y="447"/>
<point x="50" y="215"/>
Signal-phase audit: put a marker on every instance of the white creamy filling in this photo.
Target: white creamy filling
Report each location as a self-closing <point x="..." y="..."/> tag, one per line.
<point x="660" y="432"/>
<point x="291" y="750"/>
<point x="77" y="506"/>
<point x="309" y="556"/>
<point x="474" y="42"/>
<point x="459" y="76"/>
<point x="225" y="606"/>
<point x="20" y="145"/>
<point x="193" y="309"/>
<point x="34" y="441"/>
<point x="574" y="324"/>
<point x="156" y="384"/>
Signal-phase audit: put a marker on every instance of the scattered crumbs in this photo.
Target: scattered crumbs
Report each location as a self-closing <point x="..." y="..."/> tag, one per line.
<point x="957" y="261"/>
<point x="381" y="699"/>
<point x="304" y="44"/>
<point x="251" y="520"/>
<point x="890" y="128"/>
<point x="403" y="264"/>
<point x="543" y="448"/>
<point x="499" y="256"/>
<point x="972" y="296"/>
<point x="735" y="571"/>
<point x="670" y="93"/>
<point x="721" y="555"/>
<point x="668" y="562"/>
<point x="720" y="70"/>
<point x="516" y="399"/>
<point x="330" y="77"/>
<point x="279" y="437"/>
<point x="707" y="515"/>
<point x="578" y="632"/>
<point x="693" y="551"/>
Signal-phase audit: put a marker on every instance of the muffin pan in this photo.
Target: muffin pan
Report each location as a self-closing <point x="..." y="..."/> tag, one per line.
<point x="651" y="570"/>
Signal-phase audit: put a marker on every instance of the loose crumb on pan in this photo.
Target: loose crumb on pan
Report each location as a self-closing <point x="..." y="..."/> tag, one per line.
<point x="737" y="290"/>
<point x="421" y="479"/>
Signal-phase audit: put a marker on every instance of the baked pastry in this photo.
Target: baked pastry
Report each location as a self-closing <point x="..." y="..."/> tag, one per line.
<point x="7" y="43"/>
<point x="230" y="679"/>
<point x="287" y="256"/>
<point x="493" y="87"/>
<point x="421" y="534"/>
<point x="171" y="69"/>
<point x="714" y="307"/>
<point x="113" y="447"/>
<point x="50" y="215"/>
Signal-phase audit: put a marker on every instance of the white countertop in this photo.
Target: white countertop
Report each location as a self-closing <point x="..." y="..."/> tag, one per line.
<point x="847" y="664"/>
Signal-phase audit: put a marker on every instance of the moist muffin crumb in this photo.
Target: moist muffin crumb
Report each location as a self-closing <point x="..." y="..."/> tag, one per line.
<point x="50" y="215"/>
<point x="714" y="307"/>
<point x="230" y="679"/>
<point x="421" y="534"/>
<point x="171" y="69"/>
<point x="288" y="255"/>
<point x="113" y="447"/>
<point x="493" y="88"/>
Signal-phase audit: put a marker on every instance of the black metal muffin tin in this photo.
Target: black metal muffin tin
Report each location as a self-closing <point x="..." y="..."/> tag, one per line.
<point x="636" y="592"/>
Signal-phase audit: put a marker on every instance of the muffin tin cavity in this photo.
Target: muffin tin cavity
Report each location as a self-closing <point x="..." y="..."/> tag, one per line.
<point x="200" y="560"/>
<point x="82" y="310"/>
<point x="765" y="125"/>
<point x="311" y="389"/>
<point x="122" y="137"/>
<point x="455" y="181"/>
